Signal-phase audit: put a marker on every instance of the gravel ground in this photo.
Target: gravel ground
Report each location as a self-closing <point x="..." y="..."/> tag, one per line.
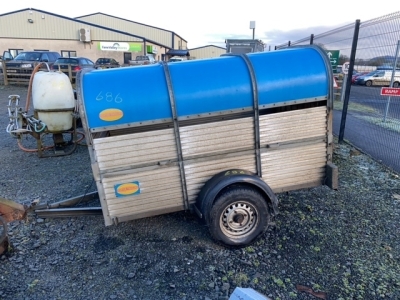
<point x="345" y="243"/>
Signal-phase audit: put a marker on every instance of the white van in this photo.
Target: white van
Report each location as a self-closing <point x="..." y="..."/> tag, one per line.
<point x="381" y="78"/>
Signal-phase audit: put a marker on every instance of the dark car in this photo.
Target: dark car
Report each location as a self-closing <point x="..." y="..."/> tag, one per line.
<point x="71" y="65"/>
<point x="22" y="65"/>
<point x="356" y="75"/>
<point x="106" y="63"/>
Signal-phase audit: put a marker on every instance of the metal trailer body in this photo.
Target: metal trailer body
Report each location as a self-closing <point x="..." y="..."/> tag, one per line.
<point x="158" y="134"/>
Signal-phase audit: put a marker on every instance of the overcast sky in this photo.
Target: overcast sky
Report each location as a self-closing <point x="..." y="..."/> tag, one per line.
<point x="208" y="22"/>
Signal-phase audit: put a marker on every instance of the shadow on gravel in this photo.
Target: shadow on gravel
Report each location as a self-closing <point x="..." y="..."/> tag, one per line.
<point x="106" y="243"/>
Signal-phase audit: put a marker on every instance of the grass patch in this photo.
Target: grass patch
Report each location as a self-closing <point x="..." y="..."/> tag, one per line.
<point x="353" y="107"/>
<point x="391" y="124"/>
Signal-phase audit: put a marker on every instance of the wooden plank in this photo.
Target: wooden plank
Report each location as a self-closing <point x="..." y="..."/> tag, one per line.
<point x="133" y="149"/>
<point x="133" y="138"/>
<point x="274" y="183"/>
<point x="148" y="201"/>
<point x="298" y="112"/>
<point x="148" y="211"/>
<point x="197" y="173"/>
<point x="167" y="173"/>
<point x="162" y="187"/>
<point x="291" y="125"/>
<point x="293" y="150"/>
<point x="216" y="136"/>
<point x="298" y="164"/>
<point x="295" y="186"/>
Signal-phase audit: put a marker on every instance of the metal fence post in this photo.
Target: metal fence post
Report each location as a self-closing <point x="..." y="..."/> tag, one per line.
<point x="391" y="80"/>
<point x="344" y="85"/>
<point x="348" y="81"/>
<point x="312" y="39"/>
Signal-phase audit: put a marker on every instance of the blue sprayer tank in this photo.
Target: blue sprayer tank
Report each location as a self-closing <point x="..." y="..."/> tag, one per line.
<point x="133" y="95"/>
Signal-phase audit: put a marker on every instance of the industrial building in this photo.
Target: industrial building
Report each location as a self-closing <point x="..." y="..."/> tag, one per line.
<point x="92" y="36"/>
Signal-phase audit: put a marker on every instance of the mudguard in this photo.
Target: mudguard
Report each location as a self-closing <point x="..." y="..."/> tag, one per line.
<point x="223" y="180"/>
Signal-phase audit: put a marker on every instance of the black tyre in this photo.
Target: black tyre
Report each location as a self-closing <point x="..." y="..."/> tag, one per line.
<point x="239" y="216"/>
<point x="368" y="83"/>
<point x="396" y="84"/>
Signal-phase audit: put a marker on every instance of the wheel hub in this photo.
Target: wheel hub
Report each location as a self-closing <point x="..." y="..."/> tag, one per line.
<point x="238" y="218"/>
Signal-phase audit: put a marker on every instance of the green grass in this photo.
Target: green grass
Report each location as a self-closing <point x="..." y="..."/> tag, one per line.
<point x="354" y="107"/>
<point x="391" y="124"/>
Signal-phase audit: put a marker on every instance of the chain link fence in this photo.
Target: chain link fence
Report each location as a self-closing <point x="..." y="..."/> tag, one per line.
<point x="368" y="120"/>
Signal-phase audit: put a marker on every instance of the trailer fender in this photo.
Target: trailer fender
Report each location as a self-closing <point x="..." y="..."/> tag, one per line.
<point x="222" y="181"/>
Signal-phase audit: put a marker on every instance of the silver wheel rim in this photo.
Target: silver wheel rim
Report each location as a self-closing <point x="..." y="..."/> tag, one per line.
<point x="239" y="219"/>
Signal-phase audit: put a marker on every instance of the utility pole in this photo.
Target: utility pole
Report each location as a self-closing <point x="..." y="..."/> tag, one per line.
<point x="253" y="26"/>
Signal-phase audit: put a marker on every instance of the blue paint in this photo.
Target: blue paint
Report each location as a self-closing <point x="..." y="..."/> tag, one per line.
<point x="204" y="86"/>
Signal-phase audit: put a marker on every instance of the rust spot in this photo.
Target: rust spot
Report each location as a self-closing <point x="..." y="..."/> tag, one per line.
<point x="3" y="236"/>
<point x="11" y="211"/>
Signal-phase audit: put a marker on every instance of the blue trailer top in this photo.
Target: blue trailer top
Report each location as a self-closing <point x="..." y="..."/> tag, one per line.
<point x="132" y="95"/>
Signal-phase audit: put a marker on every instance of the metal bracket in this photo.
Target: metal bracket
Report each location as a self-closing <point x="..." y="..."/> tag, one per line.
<point x="256" y="109"/>
<point x="177" y="135"/>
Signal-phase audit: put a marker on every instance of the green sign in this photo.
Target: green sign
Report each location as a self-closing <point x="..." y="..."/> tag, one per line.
<point x="333" y="57"/>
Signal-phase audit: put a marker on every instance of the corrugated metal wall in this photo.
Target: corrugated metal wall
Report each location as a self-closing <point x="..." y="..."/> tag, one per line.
<point x="206" y="52"/>
<point x="158" y="35"/>
<point x="48" y="26"/>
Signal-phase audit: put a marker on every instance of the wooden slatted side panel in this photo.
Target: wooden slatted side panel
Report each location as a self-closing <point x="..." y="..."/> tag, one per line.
<point x="134" y="149"/>
<point x="217" y="137"/>
<point x="215" y="147"/>
<point x="293" y="125"/>
<point x="294" y="148"/>
<point x="121" y="160"/>
<point x="295" y="167"/>
<point x="159" y="189"/>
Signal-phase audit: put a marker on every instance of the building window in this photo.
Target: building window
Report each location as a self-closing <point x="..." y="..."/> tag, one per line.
<point x="68" y="53"/>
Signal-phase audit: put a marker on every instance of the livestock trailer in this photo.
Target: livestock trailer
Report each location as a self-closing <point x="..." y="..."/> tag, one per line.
<point x="220" y="137"/>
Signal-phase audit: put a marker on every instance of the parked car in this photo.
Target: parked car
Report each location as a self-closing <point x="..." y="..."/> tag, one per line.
<point x="22" y="65"/>
<point x="71" y="65"/>
<point x="106" y="63"/>
<point x="380" y="78"/>
<point x="356" y="75"/>
<point x="177" y="58"/>
<point x="143" y="60"/>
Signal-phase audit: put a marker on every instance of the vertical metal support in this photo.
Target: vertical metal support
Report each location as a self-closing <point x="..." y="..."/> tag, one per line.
<point x="288" y="44"/>
<point x="344" y="85"/>
<point x="348" y="82"/>
<point x="177" y="134"/>
<point x="312" y="39"/>
<point x="391" y="80"/>
<point x="256" y="111"/>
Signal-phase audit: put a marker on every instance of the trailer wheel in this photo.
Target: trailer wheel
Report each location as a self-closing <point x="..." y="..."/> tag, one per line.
<point x="238" y="216"/>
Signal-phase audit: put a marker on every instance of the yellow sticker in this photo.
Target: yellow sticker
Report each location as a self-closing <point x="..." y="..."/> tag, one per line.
<point x="111" y="114"/>
<point x="127" y="189"/>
